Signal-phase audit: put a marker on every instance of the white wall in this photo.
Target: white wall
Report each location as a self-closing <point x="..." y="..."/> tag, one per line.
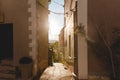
<point x="82" y="44"/>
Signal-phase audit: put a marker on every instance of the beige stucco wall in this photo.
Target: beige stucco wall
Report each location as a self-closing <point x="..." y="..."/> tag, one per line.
<point x="93" y="13"/>
<point x="69" y="29"/>
<point x="104" y="13"/>
<point x="16" y="12"/>
<point x="30" y="29"/>
<point x="61" y="40"/>
<point x="42" y="33"/>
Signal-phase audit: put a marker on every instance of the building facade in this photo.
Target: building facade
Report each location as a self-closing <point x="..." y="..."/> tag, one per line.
<point x="69" y="32"/>
<point x="61" y="41"/>
<point x="30" y="30"/>
<point x="88" y="37"/>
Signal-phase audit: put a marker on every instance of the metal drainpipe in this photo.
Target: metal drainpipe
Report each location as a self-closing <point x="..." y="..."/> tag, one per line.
<point x="75" y="42"/>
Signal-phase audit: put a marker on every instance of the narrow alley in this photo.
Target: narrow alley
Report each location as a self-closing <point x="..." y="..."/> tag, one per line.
<point x="59" y="39"/>
<point x="57" y="72"/>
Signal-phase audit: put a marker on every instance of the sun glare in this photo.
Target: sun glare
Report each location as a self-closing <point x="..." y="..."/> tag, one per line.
<point x="53" y="28"/>
<point x="56" y="20"/>
<point x="53" y="25"/>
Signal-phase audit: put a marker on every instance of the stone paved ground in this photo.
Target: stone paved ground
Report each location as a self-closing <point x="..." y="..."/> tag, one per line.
<point x="57" y="72"/>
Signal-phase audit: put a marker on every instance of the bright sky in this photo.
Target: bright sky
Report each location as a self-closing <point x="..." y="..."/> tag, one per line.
<point x="56" y="20"/>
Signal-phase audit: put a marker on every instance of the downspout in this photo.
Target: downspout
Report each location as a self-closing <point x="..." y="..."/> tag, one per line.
<point x="75" y="42"/>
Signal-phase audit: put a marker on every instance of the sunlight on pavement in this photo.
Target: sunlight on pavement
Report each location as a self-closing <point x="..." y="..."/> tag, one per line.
<point x="57" y="72"/>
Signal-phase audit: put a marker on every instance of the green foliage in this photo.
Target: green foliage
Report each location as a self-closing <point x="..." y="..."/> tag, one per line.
<point x="54" y="47"/>
<point x="80" y="29"/>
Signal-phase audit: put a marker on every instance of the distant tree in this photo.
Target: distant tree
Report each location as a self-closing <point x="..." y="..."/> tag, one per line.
<point x="54" y="46"/>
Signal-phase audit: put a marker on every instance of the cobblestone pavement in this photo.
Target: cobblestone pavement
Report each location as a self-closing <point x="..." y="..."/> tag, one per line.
<point x="57" y="72"/>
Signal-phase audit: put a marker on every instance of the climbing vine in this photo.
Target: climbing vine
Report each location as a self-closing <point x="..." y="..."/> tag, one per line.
<point x="80" y="29"/>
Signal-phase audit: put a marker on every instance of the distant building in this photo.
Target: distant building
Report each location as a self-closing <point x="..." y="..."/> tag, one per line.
<point x="61" y="40"/>
<point x="30" y="31"/>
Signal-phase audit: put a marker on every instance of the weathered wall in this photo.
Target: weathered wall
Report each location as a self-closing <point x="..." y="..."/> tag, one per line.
<point x="61" y="40"/>
<point x="93" y="56"/>
<point x="103" y="14"/>
<point x="16" y="12"/>
<point x="69" y="28"/>
<point x="30" y="29"/>
<point x="69" y="32"/>
<point x="82" y="44"/>
<point x="42" y="33"/>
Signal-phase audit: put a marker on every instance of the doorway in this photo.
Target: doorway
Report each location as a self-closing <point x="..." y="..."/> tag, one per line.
<point x="6" y="41"/>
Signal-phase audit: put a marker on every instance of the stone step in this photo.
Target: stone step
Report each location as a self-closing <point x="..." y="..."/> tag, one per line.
<point x="6" y="79"/>
<point x="6" y="67"/>
<point x="7" y="62"/>
<point x="7" y="70"/>
<point x="7" y="76"/>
